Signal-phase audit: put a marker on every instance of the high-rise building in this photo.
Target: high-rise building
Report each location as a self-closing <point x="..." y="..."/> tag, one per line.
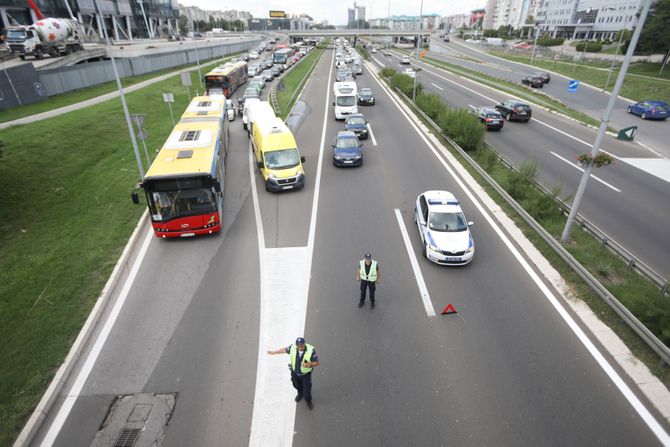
<point x="360" y="12"/>
<point x="351" y="17"/>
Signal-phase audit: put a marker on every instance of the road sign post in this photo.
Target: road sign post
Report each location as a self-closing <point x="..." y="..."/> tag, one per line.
<point x="169" y="98"/>
<point x="186" y="81"/>
<point x="573" y="85"/>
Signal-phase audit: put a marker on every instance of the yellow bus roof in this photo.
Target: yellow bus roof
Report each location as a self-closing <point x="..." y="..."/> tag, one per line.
<point x="205" y="108"/>
<point x="272" y="135"/>
<point x="190" y="149"/>
<point x="225" y="69"/>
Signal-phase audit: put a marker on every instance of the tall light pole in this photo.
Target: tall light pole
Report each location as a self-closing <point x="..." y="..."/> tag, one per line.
<point x="386" y="41"/>
<point x="121" y="94"/>
<point x="605" y="121"/>
<point x="537" y="34"/>
<point x="197" y="58"/>
<point x="618" y="48"/>
<point x="418" y="44"/>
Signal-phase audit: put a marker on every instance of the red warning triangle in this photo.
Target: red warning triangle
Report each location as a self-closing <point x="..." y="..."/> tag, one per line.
<point x="449" y="310"/>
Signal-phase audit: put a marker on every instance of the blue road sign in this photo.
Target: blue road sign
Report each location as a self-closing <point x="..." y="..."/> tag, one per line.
<point x="572" y="85"/>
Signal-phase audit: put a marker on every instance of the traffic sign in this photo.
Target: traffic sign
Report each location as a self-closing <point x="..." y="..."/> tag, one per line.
<point x="572" y="85"/>
<point x="557" y="57"/>
<point x="142" y="135"/>
<point x="185" y="78"/>
<point x="168" y="97"/>
<point x="627" y="133"/>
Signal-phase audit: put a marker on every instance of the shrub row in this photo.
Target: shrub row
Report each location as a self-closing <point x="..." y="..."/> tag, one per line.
<point x="550" y="42"/>
<point x="591" y="47"/>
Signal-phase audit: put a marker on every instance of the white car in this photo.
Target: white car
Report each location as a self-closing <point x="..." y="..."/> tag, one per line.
<point x="405" y="60"/>
<point x="253" y="55"/>
<point x="410" y="72"/>
<point x="445" y="233"/>
<point x="374" y="50"/>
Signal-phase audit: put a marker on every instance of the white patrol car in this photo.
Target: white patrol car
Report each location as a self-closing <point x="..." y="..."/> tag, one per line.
<point x="444" y="232"/>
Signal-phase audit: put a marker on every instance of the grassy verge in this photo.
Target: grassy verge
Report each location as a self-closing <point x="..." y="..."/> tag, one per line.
<point x="515" y="90"/>
<point x="295" y="79"/>
<point x="639" y="295"/>
<point x="67" y="215"/>
<point x="642" y="79"/>
<point x="69" y="98"/>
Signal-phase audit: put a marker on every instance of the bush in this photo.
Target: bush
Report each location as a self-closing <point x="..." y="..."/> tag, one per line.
<point x="387" y="72"/>
<point x="550" y="42"/>
<point x="405" y="84"/>
<point x="363" y="51"/>
<point x="591" y="47"/>
<point x="463" y="127"/>
<point x="431" y="104"/>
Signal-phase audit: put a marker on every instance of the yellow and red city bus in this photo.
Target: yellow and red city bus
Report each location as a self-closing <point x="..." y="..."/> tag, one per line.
<point x="185" y="184"/>
<point x="226" y="78"/>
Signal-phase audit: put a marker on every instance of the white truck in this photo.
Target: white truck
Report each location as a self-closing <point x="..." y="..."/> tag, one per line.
<point x="346" y="95"/>
<point x="52" y="36"/>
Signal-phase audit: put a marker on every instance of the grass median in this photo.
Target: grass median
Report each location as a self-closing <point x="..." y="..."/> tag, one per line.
<point x="67" y="215"/>
<point x="295" y="79"/>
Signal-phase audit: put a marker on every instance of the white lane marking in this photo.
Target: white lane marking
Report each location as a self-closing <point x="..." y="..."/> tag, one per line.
<point x="579" y="140"/>
<point x="372" y="135"/>
<point x="658" y="167"/>
<point x="285" y="276"/>
<point x="436" y="86"/>
<point x="425" y="297"/>
<point x="576" y="166"/>
<point x="637" y="405"/>
<point x="87" y="367"/>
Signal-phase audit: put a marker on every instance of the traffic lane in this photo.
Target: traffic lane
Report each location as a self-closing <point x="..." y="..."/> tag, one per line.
<point x="214" y="347"/>
<point x="505" y="297"/>
<point x="639" y="194"/>
<point x="169" y="276"/>
<point x="591" y="101"/>
<point x="286" y="214"/>
<point x="384" y="369"/>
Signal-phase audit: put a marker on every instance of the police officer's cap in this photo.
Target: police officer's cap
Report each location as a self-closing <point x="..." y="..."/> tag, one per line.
<point x="299" y="341"/>
<point x="368" y="255"/>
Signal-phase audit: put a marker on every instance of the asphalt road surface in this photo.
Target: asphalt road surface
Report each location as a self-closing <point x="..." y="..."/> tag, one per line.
<point x="506" y="370"/>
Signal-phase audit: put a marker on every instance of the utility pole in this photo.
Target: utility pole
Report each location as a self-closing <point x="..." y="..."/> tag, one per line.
<point x="418" y="45"/>
<point x="618" y="48"/>
<point x="121" y="94"/>
<point x="605" y="121"/>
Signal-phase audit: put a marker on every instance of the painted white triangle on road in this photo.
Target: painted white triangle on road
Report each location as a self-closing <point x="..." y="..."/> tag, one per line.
<point x="658" y="167"/>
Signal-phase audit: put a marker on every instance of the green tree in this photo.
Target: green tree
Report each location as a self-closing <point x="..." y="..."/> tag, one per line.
<point x="183" y="25"/>
<point x="655" y="37"/>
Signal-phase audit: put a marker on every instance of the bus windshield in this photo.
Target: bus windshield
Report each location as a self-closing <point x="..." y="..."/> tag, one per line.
<point x="218" y="82"/>
<point x="279" y="58"/>
<point x="169" y="199"/>
<point x="283" y="159"/>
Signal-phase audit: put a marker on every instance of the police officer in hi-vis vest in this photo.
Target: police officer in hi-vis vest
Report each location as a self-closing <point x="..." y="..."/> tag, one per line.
<point x="303" y="360"/>
<point x="368" y="274"/>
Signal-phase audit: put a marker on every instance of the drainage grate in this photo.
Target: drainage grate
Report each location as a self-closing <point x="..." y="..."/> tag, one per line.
<point x="127" y="437"/>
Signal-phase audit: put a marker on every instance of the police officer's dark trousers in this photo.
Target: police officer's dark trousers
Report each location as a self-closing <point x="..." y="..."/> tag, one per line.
<point x="368" y="284"/>
<point x="303" y="384"/>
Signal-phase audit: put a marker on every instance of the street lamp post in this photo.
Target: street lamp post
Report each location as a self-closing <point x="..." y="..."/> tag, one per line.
<point x="121" y="94"/>
<point x="618" y="48"/>
<point x="605" y="121"/>
<point x="418" y="45"/>
<point x="532" y="54"/>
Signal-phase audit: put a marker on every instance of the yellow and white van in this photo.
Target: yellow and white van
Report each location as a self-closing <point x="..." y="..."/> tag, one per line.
<point x="277" y="155"/>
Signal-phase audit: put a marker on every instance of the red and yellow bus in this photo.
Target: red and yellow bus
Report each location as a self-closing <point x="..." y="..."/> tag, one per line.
<point x="226" y="78"/>
<point x="184" y="186"/>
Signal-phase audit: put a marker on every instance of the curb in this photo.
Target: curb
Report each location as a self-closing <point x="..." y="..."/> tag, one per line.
<point x="49" y="398"/>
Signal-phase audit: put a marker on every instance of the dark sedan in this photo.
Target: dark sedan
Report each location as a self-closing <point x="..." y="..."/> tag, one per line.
<point x="357" y="124"/>
<point x="366" y="97"/>
<point x="533" y="81"/>
<point x="347" y="150"/>
<point x="544" y="76"/>
<point x="514" y="110"/>
<point x="491" y="118"/>
<point x="652" y="110"/>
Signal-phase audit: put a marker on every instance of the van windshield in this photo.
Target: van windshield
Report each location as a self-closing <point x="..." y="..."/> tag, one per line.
<point x="283" y="159"/>
<point x="346" y="101"/>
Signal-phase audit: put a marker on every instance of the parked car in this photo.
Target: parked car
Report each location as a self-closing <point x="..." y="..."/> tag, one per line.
<point x="514" y="110"/>
<point x="444" y="231"/>
<point x="489" y="117"/>
<point x="405" y="60"/>
<point x="522" y="45"/>
<point x="650" y="110"/>
<point x="357" y="124"/>
<point x="410" y="72"/>
<point x="347" y="150"/>
<point x="366" y="96"/>
<point x="544" y="76"/>
<point x="533" y="81"/>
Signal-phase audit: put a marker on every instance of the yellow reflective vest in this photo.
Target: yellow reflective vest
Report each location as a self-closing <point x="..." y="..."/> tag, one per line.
<point x="372" y="276"/>
<point x="307" y="357"/>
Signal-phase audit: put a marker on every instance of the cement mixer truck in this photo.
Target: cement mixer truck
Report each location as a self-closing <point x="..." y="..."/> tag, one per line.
<point x="50" y="36"/>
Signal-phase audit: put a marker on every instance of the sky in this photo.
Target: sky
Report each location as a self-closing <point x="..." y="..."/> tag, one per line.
<point x="335" y="11"/>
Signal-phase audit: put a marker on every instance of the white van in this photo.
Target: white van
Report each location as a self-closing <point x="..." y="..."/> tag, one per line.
<point x="257" y="110"/>
<point x="245" y="112"/>
<point x="345" y="103"/>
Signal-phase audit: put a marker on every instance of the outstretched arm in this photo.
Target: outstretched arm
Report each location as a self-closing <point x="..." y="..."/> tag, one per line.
<point x="278" y="351"/>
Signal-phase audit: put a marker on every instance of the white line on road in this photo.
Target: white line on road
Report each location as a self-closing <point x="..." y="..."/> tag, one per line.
<point x="436" y="86"/>
<point x="82" y="377"/>
<point x="582" y="170"/>
<point x="425" y="297"/>
<point x="623" y="387"/>
<point x="372" y="135"/>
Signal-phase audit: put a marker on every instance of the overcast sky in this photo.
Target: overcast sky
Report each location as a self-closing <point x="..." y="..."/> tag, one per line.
<point x="335" y="11"/>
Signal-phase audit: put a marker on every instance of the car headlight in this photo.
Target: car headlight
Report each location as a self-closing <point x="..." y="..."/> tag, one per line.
<point x="271" y="176"/>
<point x="433" y="247"/>
<point x="358" y="157"/>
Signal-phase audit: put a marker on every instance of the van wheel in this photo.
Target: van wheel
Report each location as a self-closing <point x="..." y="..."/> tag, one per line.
<point x="425" y="255"/>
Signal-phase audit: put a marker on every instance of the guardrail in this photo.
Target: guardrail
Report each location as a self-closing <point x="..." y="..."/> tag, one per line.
<point x="636" y="325"/>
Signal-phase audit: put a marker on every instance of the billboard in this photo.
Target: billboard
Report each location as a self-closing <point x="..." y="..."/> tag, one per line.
<point x="278" y="14"/>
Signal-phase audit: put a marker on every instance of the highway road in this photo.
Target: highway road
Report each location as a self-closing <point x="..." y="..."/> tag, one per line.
<point x="592" y="101"/>
<point x="627" y="203"/>
<point x="511" y="368"/>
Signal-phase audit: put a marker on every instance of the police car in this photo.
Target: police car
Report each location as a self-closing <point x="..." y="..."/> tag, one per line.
<point x="444" y="231"/>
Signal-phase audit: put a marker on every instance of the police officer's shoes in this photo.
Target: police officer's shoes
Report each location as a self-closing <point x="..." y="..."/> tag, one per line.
<point x="372" y="305"/>
<point x="298" y="398"/>
<point x="310" y="405"/>
<point x="360" y="304"/>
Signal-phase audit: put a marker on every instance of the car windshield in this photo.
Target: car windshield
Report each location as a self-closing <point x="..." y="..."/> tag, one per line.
<point x="283" y="159"/>
<point x="366" y="92"/>
<point x="166" y="205"/>
<point x="447" y="222"/>
<point x="493" y="115"/>
<point x="347" y="143"/>
<point x="522" y="107"/>
<point x="356" y="120"/>
<point x="346" y="101"/>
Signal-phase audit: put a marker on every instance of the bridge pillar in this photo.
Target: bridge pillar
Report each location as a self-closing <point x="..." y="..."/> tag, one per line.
<point x="114" y="27"/>
<point x="130" y="31"/>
